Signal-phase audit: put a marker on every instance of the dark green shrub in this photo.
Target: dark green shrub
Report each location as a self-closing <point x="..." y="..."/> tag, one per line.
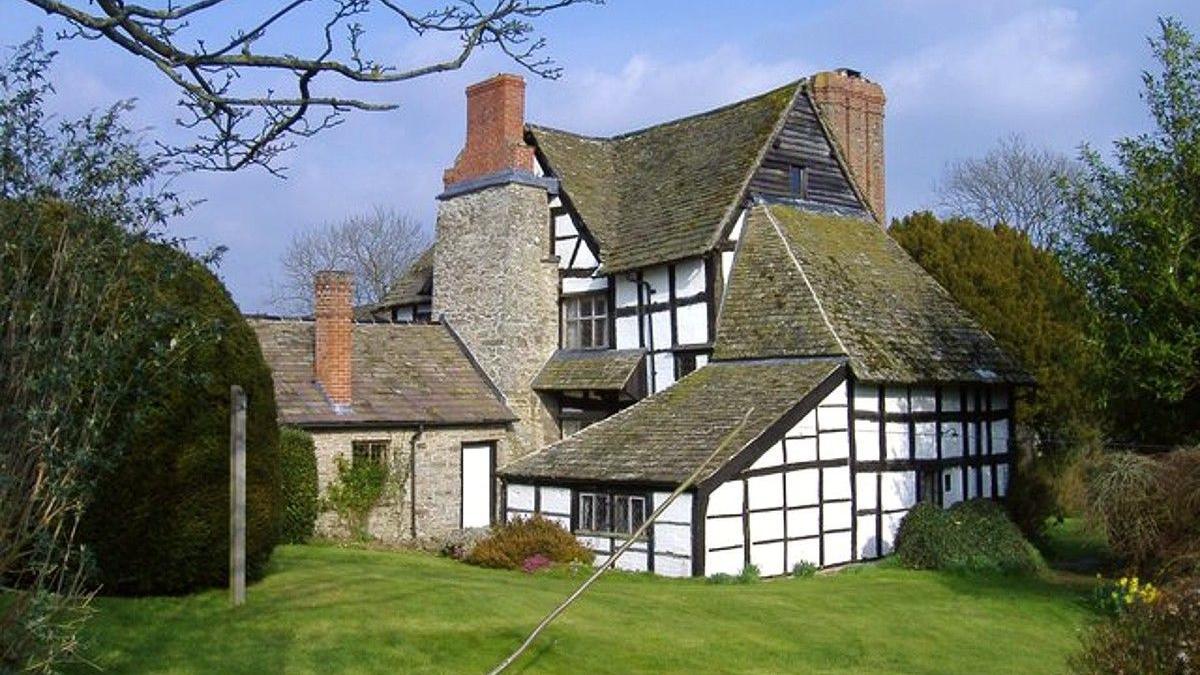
<point x="298" y="467"/>
<point x="1157" y="636"/>
<point x="804" y="570"/>
<point x="159" y="522"/>
<point x="974" y="535"/>
<point x="511" y="544"/>
<point x="358" y="488"/>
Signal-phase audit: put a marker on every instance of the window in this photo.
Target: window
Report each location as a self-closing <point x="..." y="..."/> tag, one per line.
<point x="369" y="451"/>
<point x="798" y="181"/>
<point x="585" y="322"/>
<point x="619" y="514"/>
<point x="685" y="362"/>
<point x="947" y="485"/>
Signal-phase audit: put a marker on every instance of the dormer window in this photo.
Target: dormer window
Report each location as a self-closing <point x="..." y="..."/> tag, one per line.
<point x="798" y="181"/>
<point x="585" y="321"/>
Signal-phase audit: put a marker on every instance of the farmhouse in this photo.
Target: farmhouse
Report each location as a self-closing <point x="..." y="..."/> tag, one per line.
<point x="616" y="310"/>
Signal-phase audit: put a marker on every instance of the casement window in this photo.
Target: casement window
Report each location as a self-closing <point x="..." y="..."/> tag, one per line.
<point x="798" y="181"/>
<point x="618" y="514"/>
<point x="585" y="321"/>
<point x="369" y="451"/>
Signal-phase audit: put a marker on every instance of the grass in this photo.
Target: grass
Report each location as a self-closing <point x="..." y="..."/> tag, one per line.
<point x="1072" y="545"/>
<point x="329" y="609"/>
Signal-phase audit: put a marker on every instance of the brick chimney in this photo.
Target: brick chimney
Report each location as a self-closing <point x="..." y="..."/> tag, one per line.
<point x="333" y="340"/>
<point x="853" y="108"/>
<point x="495" y="130"/>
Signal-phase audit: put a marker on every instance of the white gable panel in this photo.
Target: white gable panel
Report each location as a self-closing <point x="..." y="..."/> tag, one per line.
<point x="584" y="258"/>
<point x="689" y="278"/>
<point x="564" y="248"/>
<point x="564" y="226"/>
<point x="730" y="561"/>
<point x="726" y="267"/>
<point x="627" y="332"/>
<point x="829" y="418"/>
<point x="837" y="397"/>
<point x="835" y="445"/>
<point x="692" y="323"/>
<point x="519" y="496"/>
<point x="735" y="232"/>
<point x="807" y="426"/>
<point x="802" y="449"/>
<point x="772" y="457"/>
<point x="766" y="492"/>
<point x="726" y="499"/>
<point x="680" y="510"/>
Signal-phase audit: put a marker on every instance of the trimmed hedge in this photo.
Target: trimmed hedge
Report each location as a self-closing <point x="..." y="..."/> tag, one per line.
<point x="508" y="546"/>
<point x="298" y="466"/>
<point x="159" y="521"/>
<point x="975" y="535"/>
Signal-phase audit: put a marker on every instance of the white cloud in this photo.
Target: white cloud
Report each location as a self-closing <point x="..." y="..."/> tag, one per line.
<point x="1033" y="63"/>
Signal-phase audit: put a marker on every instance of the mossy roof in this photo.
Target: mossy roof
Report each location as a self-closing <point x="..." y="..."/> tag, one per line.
<point x="665" y="437"/>
<point x="596" y="370"/>
<point x="859" y="293"/>
<point x="663" y="193"/>
<point x="414" y="284"/>
<point x="401" y="374"/>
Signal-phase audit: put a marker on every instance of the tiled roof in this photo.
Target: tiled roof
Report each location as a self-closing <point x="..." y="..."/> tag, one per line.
<point x="401" y="374"/>
<point x="662" y="439"/>
<point x="596" y="370"/>
<point x="895" y="322"/>
<point x="413" y="286"/>
<point x="662" y="193"/>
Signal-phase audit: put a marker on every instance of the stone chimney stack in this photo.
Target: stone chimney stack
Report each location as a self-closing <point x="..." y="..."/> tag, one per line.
<point x="853" y="108"/>
<point x="334" y="291"/>
<point x="495" y="131"/>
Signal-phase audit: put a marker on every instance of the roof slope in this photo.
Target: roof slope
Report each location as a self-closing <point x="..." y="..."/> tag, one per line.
<point x="401" y="374"/>
<point x="413" y="285"/>
<point x="667" y="436"/>
<point x="897" y="324"/>
<point x="661" y="193"/>
<point x="598" y="369"/>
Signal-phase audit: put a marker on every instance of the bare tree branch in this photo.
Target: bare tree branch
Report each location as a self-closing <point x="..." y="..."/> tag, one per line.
<point x="246" y="122"/>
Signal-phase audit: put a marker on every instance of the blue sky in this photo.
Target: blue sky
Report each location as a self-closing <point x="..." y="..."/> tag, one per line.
<point x="958" y="76"/>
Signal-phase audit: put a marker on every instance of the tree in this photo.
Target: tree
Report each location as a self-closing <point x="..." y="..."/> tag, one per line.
<point x="1014" y="183"/>
<point x="1135" y="248"/>
<point x="231" y="78"/>
<point x="376" y="247"/>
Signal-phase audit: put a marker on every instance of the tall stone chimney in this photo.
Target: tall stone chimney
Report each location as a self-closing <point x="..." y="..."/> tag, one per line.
<point x="334" y="291"/>
<point x="495" y="130"/>
<point x="494" y="280"/>
<point x="853" y="108"/>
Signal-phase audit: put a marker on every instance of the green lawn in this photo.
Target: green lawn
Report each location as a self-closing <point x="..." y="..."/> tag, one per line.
<point x="328" y="609"/>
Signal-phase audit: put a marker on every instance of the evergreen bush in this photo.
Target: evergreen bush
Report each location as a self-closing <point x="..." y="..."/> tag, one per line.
<point x="975" y="535"/>
<point x="298" y="467"/>
<point x="509" y="545"/>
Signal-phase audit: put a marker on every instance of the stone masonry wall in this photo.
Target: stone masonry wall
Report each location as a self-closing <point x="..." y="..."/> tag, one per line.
<point x="497" y="285"/>
<point x="437" y="474"/>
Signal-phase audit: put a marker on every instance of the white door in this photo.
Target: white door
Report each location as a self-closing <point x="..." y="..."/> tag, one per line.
<point x="477" y="485"/>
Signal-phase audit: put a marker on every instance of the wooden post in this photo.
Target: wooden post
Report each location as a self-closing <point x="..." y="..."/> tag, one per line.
<point x="237" y="495"/>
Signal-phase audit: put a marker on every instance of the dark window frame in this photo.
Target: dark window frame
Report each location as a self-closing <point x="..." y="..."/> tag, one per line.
<point x="370" y="450"/>
<point x="598" y="511"/>
<point x="798" y="181"/>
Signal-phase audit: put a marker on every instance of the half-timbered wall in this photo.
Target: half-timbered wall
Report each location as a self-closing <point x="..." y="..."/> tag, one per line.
<point x="665" y="310"/>
<point x="939" y="444"/>
<point x="792" y="505"/>
<point x="665" y="550"/>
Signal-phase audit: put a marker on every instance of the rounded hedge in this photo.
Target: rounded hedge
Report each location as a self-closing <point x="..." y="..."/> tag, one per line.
<point x="159" y="519"/>
<point x="298" y="464"/>
<point x="974" y="535"/>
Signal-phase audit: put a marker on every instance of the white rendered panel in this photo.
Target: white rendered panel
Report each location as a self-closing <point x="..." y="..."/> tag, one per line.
<point x="840" y="396"/>
<point x="726" y="266"/>
<point x="476" y="485"/>
<point x="868" y="539"/>
<point x="584" y="285"/>
<point x="832" y="417"/>
<point x="556" y="500"/>
<point x="404" y="314"/>
<point x="692" y="323"/>
<point x="807" y="426"/>
<point x="951" y="486"/>
<point x="660" y="325"/>
<point x="633" y="561"/>
<point x="999" y="431"/>
<point x="835" y="445"/>
<point x="951" y="439"/>
<point x="896" y="436"/>
<point x="519" y="496"/>
<point x="584" y="259"/>
<point x="701" y="361"/>
<point x="768" y="558"/>
<point x="891" y="525"/>
<point x="564" y="226"/>
<point x="689" y="278"/>
<point x="675" y="539"/>
<point x="564" y="249"/>
<point x="766" y="492"/>
<point x="1002" y="480"/>
<point x="803" y="487"/>
<point x="670" y="566"/>
<point x="664" y="371"/>
<point x="838" y="548"/>
<point x="866" y="491"/>
<point x="726" y="499"/>
<point x="730" y="561"/>
<point x="626" y="292"/>
<point x="801" y="449"/>
<point x="680" y="510"/>
<point x="562" y="521"/>
<point x="836" y="482"/>
<point x="924" y="399"/>
<point x="837" y="516"/>
<point x="926" y="440"/>
<point x="735" y="232"/>
<point x="808" y="551"/>
<point x="898" y="490"/>
<point x="972" y="486"/>
<point x="895" y="400"/>
<point x="987" y="481"/>
<point x="866" y="397"/>
<point x="772" y="457"/>
<point x="627" y="332"/>
<point x="804" y="522"/>
<point x="658" y="279"/>
<point x="766" y="526"/>
<point x="866" y="440"/>
<point x="721" y="532"/>
<point x="951" y="399"/>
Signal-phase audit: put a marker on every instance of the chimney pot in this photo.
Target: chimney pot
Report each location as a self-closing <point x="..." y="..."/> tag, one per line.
<point x="495" y="130"/>
<point x="333" y="337"/>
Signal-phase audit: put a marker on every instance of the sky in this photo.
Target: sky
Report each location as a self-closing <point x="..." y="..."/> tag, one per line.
<point x="958" y="75"/>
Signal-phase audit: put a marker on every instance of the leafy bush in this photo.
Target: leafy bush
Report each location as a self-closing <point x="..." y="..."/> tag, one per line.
<point x="1158" y="636"/>
<point x="973" y="535"/>
<point x="358" y="488"/>
<point x="804" y="569"/>
<point x="298" y="467"/>
<point x="511" y="544"/>
<point x="159" y="522"/>
<point x="748" y="575"/>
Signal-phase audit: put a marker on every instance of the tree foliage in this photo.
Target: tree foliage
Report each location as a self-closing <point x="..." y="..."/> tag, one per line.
<point x="1014" y="183"/>
<point x="376" y="247"/>
<point x="301" y="491"/>
<point x="1020" y="295"/>
<point x="248" y="97"/>
<point x="1135" y="248"/>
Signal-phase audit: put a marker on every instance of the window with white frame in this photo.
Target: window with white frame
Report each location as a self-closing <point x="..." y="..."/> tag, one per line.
<point x="618" y="514"/>
<point x="585" y="321"/>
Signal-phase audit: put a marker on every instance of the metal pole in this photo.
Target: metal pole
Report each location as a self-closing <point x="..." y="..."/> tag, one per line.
<point x="237" y="495"/>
